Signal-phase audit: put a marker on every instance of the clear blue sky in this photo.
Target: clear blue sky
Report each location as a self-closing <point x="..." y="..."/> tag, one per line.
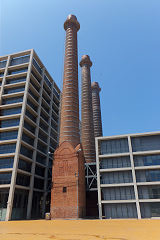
<point x="122" y="38"/>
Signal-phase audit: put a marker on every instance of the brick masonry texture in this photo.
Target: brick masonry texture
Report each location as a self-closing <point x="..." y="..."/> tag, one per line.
<point x="97" y="121"/>
<point x="69" y="122"/>
<point x="87" y="131"/>
<point x="68" y="198"/>
<point x="68" y="168"/>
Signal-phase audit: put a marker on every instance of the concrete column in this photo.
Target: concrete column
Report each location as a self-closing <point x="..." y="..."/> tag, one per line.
<point x="97" y="121"/>
<point x="134" y="179"/>
<point x="30" y="196"/>
<point x="98" y="181"/>
<point x="47" y="161"/>
<point x="18" y="145"/>
<point x="69" y="128"/>
<point x="87" y="132"/>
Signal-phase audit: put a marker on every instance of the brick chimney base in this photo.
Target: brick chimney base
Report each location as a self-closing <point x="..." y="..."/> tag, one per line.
<point x="68" y="198"/>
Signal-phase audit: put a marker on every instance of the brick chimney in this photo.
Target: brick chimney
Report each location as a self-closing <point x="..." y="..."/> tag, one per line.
<point x="97" y="122"/>
<point x="87" y="132"/>
<point x="68" y="198"/>
<point x="69" y="123"/>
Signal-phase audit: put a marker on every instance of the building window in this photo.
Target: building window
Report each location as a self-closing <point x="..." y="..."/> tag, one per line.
<point x="56" y="93"/>
<point x="34" y="85"/>
<point x="114" y="146"/>
<point x="38" y="183"/>
<point x="14" y="90"/>
<point x="9" y="123"/>
<point x="19" y="210"/>
<point x="53" y="144"/>
<point x="64" y="189"/>
<point x="10" y="111"/>
<point x="31" y="116"/>
<point x="3" y="63"/>
<point x="37" y="66"/>
<point x="42" y="136"/>
<point x="8" y="135"/>
<point x="5" y="178"/>
<point x="33" y="95"/>
<point x="42" y="147"/>
<point x="26" y="152"/>
<point x="43" y="126"/>
<point x="41" y="158"/>
<point x="22" y="180"/>
<point x="32" y="105"/>
<point x="6" y="162"/>
<point x="39" y="171"/>
<point x="1" y="74"/>
<point x="21" y="70"/>
<point x="29" y="127"/>
<point x="7" y="148"/>
<point x="149" y="192"/>
<point x="149" y="210"/>
<point x="45" y="108"/>
<point x="48" y="81"/>
<point x="27" y="139"/>
<point x="47" y="90"/>
<point x="44" y="116"/>
<point x="26" y="166"/>
<point x="46" y="98"/>
<point x="148" y="175"/>
<point x="115" y="162"/>
<point x="116" y="177"/>
<point x="55" y="101"/>
<point x="15" y="80"/>
<point x="12" y="100"/>
<point x="35" y="76"/>
<point x="118" y="193"/>
<point x="146" y="143"/>
<point x="148" y="160"/>
<point x="19" y="60"/>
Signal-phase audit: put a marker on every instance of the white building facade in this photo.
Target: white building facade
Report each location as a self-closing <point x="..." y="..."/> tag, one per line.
<point x="29" y="116"/>
<point x="128" y="175"/>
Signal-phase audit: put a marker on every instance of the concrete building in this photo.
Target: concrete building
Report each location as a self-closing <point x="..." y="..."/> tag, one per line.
<point x="68" y="177"/>
<point x="128" y="175"/>
<point x="29" y="109"/>
<point x="97" y="121"/>
<point x="87" y="131"/>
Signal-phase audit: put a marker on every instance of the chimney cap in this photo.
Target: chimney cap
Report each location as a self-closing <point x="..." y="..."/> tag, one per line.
<point x="95" y="85"/>
<point x="70" y="21"/>
<point x="85" y="60"/>
<point x="71" y="16"/>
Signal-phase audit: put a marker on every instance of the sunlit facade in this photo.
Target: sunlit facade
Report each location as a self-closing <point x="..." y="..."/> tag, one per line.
<point x="29" y="115"/>
<point x="128" y="175"/>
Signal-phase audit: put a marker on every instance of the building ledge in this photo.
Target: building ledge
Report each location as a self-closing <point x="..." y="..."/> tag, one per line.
<point x="118" y="201"/>
<point x="117" y="185"/>
<point x="115" y="169"/>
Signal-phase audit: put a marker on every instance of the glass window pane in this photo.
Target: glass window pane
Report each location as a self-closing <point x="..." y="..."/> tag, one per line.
<point x="9" y="123"/>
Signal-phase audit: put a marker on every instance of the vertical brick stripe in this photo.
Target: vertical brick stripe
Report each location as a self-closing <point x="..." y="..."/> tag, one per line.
<point x="70" y="98"/>
<point x="88" y="142"/>
<point x="96" y="110"/>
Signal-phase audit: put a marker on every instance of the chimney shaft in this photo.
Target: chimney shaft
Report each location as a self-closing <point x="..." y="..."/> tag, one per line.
<point x="96" y="110"/>
<point x="68" y="198"/>
<point x="87" y="132"/>
<point x="69" y="123"/>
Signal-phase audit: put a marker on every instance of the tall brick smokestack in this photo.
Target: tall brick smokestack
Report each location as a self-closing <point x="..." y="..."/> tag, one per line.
<point x="87" y="132"/>
<point x="69" y="128"/>
<point x="96" y="109"/>
<point x="68" y="176"/>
